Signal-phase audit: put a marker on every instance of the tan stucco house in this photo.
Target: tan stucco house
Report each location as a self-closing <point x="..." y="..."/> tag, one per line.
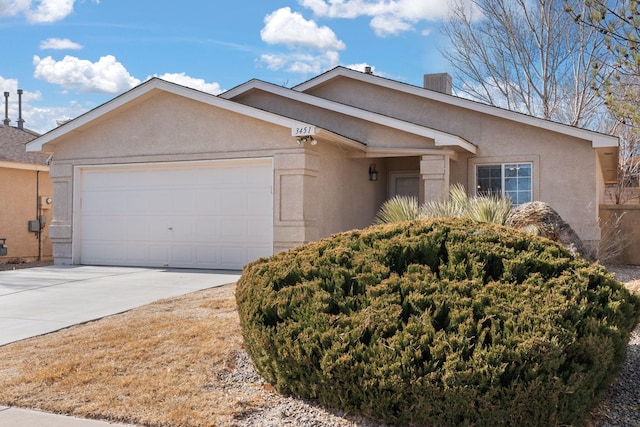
<point x="164" y="175"/>
<point x="25" y="198"/>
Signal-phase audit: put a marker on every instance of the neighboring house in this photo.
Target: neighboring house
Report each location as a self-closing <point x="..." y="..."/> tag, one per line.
<point x="25" y="195"/>
<point x="164" y="175"/>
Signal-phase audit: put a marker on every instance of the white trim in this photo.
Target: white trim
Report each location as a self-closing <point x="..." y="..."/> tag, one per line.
<point x="441" y="139"/>
<point x="402" y="152"/>
<point x="598" y="140"/>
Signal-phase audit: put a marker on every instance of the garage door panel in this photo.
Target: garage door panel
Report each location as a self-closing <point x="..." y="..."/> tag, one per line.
<point x="258" y="252"/>
<point x="232" y="255"/>
<point x="105" y="253"/>
<point x="200" y="215"/>
<point x="259" y="230"/>
<point x="258" y="202"/>
<point x="208" y="254"/>
<point x="185" y="201"/>
<point x="159" y="255"/>
<point x="233" y="203"/>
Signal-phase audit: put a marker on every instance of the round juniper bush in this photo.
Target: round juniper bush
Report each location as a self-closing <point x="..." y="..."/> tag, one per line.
<point x="443" y="322"/>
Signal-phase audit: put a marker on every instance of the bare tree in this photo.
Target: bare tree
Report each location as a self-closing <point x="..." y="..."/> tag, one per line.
<point x="626" y="187"/>
<point x="616" y="79"/>
<point x="527" y="56"/>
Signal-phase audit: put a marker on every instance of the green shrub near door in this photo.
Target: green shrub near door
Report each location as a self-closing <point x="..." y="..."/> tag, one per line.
<point x="441" y="322"/>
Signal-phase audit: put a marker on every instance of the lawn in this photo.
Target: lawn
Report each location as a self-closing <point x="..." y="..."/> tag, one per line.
<point x="162" y="364"/>
<point x="176" y="362"/>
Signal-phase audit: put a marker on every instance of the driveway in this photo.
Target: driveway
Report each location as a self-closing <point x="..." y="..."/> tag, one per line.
<point x="36" y="301"/>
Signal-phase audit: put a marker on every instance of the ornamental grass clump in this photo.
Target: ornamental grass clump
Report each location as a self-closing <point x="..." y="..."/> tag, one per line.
<point x="443" y="322"/>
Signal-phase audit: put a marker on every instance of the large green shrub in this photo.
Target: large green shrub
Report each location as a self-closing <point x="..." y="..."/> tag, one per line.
<point x="438" y="322"/>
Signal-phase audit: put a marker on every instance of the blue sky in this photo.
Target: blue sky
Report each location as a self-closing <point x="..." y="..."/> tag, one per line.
<point x="70" y="56"/>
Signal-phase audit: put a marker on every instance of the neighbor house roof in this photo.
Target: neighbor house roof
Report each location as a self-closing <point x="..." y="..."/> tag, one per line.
<point x="155" y="84"/>
<point x="13" y="151"/>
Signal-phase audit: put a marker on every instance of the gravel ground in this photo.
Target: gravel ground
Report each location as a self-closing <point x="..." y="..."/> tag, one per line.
<point x="17" y="264"/>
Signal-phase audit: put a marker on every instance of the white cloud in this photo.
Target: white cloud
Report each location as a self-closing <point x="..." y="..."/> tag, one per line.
<point x="311" y="48"/>
<point x="291" y="29"/>
<point x="50" y="10"/>
<point x="38" y="11"/>
<point x="361" y="67"/>
<point x="43" y="119"/>
<point x="59" y="44"/>
<point x="105" y="76"/>
<point x="388" y="17"/>
<point x="389" y="25"/>
<point x="192" y="82"/>
<point x="300" y="62"/>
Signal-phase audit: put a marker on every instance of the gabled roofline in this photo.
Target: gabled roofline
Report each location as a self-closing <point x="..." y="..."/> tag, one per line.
<point x="157" y="84"/>
<point x="442" y="139"/>
<point x="598" y="140"/>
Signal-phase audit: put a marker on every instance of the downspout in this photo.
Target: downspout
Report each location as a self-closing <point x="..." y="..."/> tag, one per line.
<point x="38" y="213"/>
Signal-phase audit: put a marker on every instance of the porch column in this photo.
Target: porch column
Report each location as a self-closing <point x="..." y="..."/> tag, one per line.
<point x="434" y="177"/>
<point x="60" y="227"/>
<point x="296" y="201"/>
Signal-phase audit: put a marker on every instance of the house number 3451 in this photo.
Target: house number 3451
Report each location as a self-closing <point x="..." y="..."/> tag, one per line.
<point x="303" y="130"/>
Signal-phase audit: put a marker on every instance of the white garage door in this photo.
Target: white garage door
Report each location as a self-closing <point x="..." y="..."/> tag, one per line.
<point x="188" y="215"/>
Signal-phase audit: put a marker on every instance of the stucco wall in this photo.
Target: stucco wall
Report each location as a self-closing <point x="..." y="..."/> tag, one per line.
<point x="567" y="173"/>
<point x="20" y="190"/>
<point x="347" y="199"/>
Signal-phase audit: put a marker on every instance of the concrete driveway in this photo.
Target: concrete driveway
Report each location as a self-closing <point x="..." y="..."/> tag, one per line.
<point x="36" y="301"/>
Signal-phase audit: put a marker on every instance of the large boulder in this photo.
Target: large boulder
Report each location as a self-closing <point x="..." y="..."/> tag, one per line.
<point x="546" y="222"/>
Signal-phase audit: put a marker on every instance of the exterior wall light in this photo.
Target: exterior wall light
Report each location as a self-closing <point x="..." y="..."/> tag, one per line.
<point x="308" y="139"/>
<point x="373" y="173"/>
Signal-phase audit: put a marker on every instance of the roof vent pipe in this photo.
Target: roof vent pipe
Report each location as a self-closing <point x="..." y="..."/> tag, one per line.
<point x="367" y="70"/>
<point x="20" y="120"/>
<point x="6" y="109"/>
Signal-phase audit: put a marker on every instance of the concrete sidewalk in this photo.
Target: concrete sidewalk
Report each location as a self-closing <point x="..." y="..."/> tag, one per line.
<point x="42" y="300"/>
<point x="14" y="417"/>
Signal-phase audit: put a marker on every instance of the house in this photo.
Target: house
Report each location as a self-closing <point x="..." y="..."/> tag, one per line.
<point x="164" y="175"/>
<point x="25" y="198"/>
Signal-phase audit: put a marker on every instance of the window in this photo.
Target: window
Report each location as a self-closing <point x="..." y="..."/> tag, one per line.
<point x="511" y="180"/>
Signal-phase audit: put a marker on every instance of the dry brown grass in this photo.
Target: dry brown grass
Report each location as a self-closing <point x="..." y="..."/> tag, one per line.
<point x="163" y="364"/>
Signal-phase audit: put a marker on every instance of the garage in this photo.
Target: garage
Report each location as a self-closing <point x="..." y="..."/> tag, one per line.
<point x="210" y="215"/>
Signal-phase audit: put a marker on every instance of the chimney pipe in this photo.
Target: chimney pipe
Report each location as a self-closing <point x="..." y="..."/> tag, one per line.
<point x="6" y="109"/>
<point x="20" y="120"/>
<point x="367" y="70"/>
<point x="440" y="82"/>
